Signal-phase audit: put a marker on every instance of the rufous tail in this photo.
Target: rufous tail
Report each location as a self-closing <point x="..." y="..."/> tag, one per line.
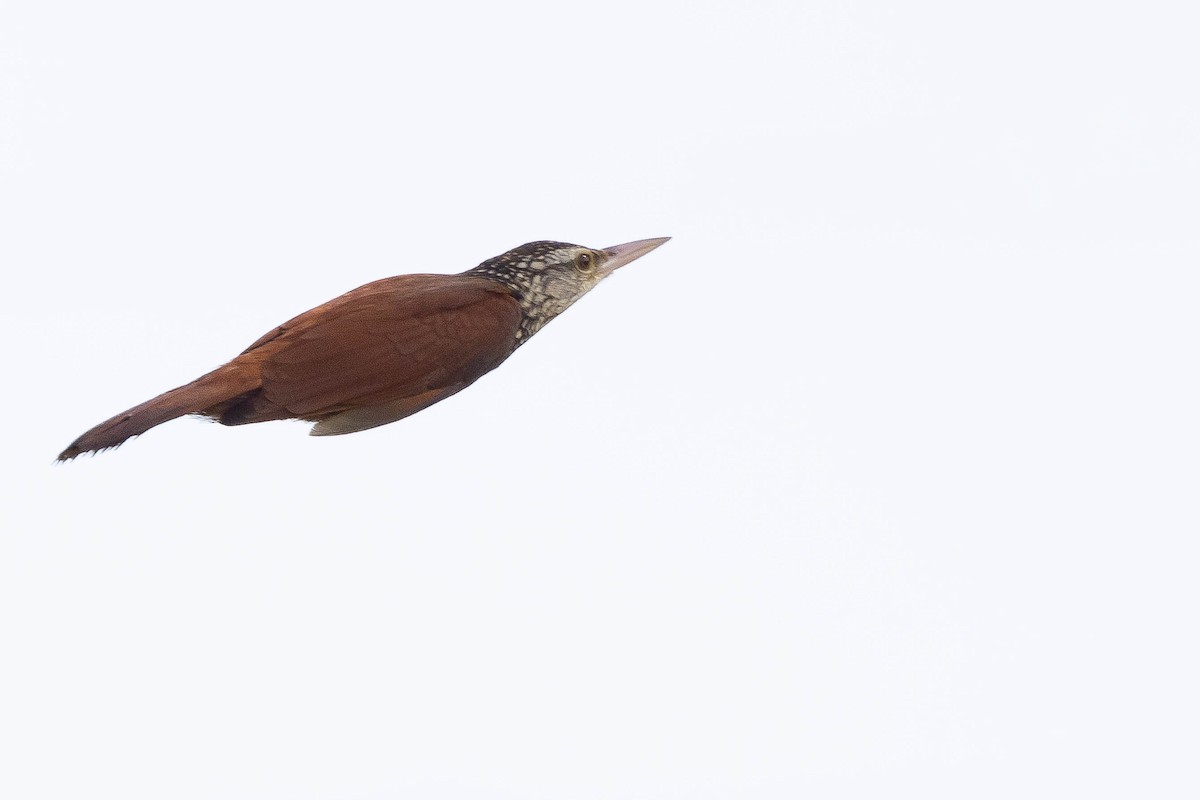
<point x="217" y="387"/>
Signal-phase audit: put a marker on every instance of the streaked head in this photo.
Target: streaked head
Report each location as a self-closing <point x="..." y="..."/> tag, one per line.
<point x="547" y="277"/>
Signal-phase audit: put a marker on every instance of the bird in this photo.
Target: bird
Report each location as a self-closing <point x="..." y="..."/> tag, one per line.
<point x="385" y="350"/>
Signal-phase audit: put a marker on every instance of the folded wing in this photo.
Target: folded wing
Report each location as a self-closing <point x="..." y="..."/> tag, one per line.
<point x="379" y="353"/>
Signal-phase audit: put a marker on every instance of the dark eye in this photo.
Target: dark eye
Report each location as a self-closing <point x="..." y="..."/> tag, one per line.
<point x="584" y="262"/>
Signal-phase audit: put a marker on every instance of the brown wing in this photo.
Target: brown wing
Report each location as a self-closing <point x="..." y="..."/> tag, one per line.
<point x="380" y="352"/>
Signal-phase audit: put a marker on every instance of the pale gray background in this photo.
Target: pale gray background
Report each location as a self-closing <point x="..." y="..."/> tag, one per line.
<point x="878" y="480"/>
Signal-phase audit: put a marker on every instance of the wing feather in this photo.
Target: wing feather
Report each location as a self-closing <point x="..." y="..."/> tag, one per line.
<point x="383" y="351"/>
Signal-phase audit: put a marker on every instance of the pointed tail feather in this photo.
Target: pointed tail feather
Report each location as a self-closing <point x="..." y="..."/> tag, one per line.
<point x="218" y="386"/>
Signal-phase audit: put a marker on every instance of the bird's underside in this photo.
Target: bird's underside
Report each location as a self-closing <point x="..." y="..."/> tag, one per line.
<point x="372" y="356"/>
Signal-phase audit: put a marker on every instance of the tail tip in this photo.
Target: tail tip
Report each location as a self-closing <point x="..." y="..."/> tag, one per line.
<point x="71" y="452"/>
<point x="79" y="447"/>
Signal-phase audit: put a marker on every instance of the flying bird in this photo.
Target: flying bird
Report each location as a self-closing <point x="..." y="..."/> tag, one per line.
<point x="385" y="350"/>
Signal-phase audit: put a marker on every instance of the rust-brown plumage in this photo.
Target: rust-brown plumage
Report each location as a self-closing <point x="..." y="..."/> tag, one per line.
<point x="385" y="350"/>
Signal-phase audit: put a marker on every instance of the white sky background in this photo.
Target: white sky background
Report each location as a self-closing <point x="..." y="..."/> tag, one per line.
<point x="878" y="480"/>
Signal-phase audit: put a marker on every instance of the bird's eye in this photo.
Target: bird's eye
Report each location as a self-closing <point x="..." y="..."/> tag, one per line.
<point x="584" y="262"/>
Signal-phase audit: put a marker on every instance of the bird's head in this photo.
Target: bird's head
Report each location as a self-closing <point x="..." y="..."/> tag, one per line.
<point x="547" y="277"/>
